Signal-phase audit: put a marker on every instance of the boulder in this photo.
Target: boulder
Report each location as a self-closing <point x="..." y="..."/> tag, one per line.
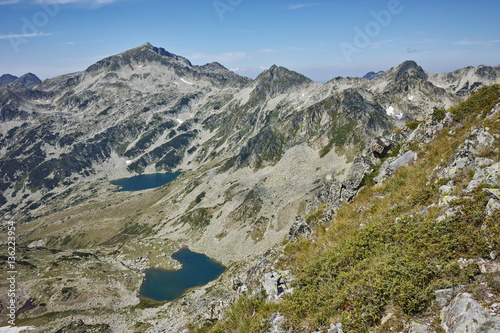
<point x="416" y="327"/>
<point x="462" y="161"/>
<point x="443" y="296"/>
<point x="493" y="193"/>
<point x="239" y="286"/>
<point x="335" y="328"/>
<point x="381" y="146"/>
<point x="464" y="314"/>
<point x="383" y="173"/>
<point x="493" y="112"/>
<point x="217" y="309"/>
<point x="390" y="166"/>
<point x="490" y="176"/>
<point x="351" y="185"/>
<point x="481" y="162"/>
<point x="493" y="174"/>
<point x="492" y="206"/>
<point x="445" y="190"/>
<point x="276" y="321"/>
<point x="298" y="229"/>
<point x="478" y="141"/>
<point x="276" y="284"/>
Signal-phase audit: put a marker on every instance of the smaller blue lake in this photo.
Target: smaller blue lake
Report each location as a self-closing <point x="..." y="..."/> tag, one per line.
<point x="144" y="182"/>
<point x="197" y="270"/>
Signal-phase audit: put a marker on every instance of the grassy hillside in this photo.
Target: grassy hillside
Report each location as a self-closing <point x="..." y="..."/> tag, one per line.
<point x="392" y="247"/>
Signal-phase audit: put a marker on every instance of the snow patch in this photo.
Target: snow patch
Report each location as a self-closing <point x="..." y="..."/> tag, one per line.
<point x="187" y="82"/>
<point x="128" y="162"/>
<point x="180" y="121"/>
<point x="411" y="97"/>
<point x="391" y="112"/>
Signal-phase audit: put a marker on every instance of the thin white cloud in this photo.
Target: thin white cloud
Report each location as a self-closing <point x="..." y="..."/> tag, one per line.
<point x="94" y="3"/>
<point x="465" y="42"/>
<point x="303" y="5"/>
<point x="221" y="57"/>
<point x="267" y="50"/>
<point x="377" y="45"/>
<point x="416" y="51"/>
<point x="8" y="2"/>
<point x="10" y="36"/>
<point x="231" y="56"/>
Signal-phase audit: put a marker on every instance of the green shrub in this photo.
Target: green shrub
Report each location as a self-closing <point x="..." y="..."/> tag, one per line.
<point x="146" y="303"/>
<point x="413" y="124"/>
<point x="482" y="100"/>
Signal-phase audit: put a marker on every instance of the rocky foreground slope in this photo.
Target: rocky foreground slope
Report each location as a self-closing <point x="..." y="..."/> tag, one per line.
<point x="256" y="155"/>
<point x="415" y="251"/>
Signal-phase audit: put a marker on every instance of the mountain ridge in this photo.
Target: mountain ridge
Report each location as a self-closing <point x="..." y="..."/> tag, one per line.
<point x="255" y="155"/>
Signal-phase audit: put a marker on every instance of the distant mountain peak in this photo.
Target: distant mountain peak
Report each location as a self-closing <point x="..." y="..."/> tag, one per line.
<point x="373" y="75"/>
<point x="409" y="69"/>
<point x="6" y="79"/>
<point x="277" y="72"/>
<point x="276" y="80"/>
<point x="142" y="54"/>
<point x="28" y="80"/>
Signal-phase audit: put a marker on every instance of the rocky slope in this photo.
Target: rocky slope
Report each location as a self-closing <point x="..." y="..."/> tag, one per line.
<point x="415" y="251"/>
<point x="255" y="154"/>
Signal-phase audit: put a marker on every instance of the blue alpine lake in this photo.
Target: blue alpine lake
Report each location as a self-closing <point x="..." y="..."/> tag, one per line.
<point x="197" y="270"/>
<point x="144" y="182"/>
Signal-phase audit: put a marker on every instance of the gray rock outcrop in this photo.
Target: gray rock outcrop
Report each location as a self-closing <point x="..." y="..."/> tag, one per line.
<point x="336" y="192"/>
<point x="276" y="322"/>
<point x="298" y="229"/>
<point x="276" y="284"/>
<point x="390" y="166"/>
<point x="490" y="176"/>
<point x="351" y="185"/>
<point x="460" y="162"/>
<point x="464" y="314"/>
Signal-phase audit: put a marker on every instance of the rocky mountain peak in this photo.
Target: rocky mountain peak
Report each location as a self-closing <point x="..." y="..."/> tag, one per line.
<point x="6" y="79"/>
<point x="28" y="80"/>
<point x="214" y="66"/>
<point x="279" y="79"/>
<point x="143" y="54"/>
<point x="277" y="72"/>
<point x="409" y="70"/>
<point x="373" y="75"/>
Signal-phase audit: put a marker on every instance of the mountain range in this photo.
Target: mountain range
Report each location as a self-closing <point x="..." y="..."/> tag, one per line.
<point x="254" y="153"/>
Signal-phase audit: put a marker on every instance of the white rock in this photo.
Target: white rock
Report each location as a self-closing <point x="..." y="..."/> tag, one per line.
<point x="492" y="206"/>
<point x="38" y="243"/>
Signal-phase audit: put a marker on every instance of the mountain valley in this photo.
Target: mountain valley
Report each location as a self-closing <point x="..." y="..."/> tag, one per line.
<point x="258" y="159"/>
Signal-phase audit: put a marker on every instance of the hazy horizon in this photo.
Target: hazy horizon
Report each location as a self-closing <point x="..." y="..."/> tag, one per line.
<point x="320" y="40"/>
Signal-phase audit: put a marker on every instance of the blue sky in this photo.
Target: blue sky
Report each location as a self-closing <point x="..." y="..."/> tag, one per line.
<point x="321" y="39"/>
